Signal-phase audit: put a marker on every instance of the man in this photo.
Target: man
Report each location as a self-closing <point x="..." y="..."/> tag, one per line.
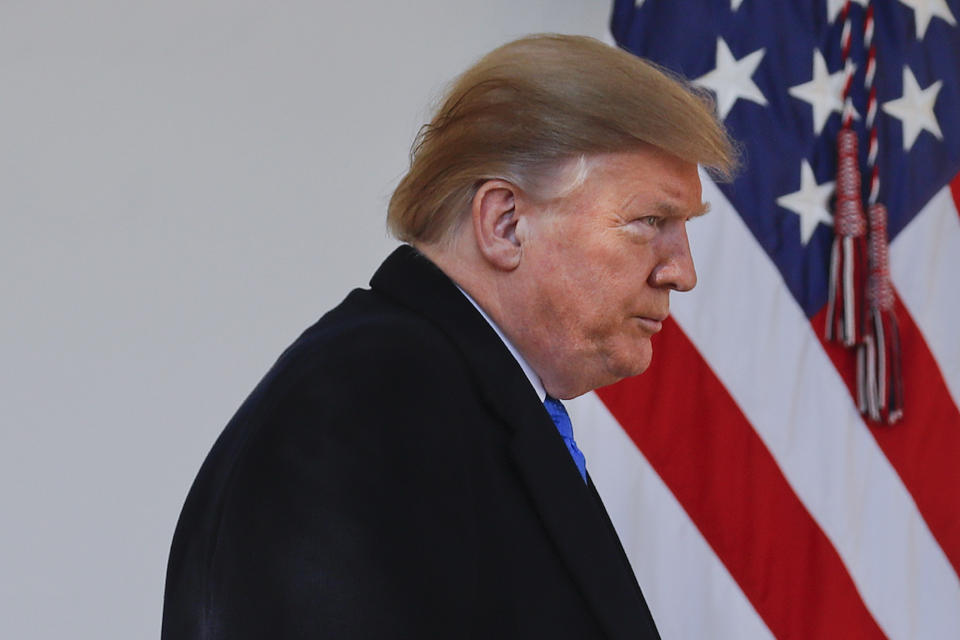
<point x="406" y="469"/>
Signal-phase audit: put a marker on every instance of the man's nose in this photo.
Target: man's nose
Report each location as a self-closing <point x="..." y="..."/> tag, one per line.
<point x="675" y="269"/>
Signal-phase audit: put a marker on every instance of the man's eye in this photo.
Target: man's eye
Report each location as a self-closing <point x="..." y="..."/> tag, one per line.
<point x="653" y="221"/>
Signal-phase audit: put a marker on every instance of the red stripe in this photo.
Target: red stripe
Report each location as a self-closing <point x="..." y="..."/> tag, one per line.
<point x="696" y="438"/>
<point x="955" y="188"/>
<point x="924" y="447"/>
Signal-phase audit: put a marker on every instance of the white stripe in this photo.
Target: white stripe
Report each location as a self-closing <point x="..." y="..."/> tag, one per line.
<point x="756" y="338"/>
<point x="690" y="592"/>
<point x="925" y="266"/>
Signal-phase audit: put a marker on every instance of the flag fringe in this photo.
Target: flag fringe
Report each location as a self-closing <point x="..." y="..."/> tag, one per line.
<point x="882" y="380"/>
<point x="848" y="259"/>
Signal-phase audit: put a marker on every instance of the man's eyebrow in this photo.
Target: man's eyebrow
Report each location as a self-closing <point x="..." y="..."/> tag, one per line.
<point x="668" y="209"/>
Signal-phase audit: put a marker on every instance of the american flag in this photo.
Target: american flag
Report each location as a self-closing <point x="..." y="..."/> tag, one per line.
<point x="753" y="496"/>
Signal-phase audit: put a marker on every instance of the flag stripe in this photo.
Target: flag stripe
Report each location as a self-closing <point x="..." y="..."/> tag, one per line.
<point x="924" y="447"/>
<point x="690" y="592"/>
<point x="955" y="187"/>
<point x="794" y="397"/>
<point x="925" y="265"/>
<point x="801" y="589"/>
<point x="925" y="262"/>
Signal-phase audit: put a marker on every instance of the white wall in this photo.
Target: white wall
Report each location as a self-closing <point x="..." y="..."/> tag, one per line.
<point x="184" y="187"/>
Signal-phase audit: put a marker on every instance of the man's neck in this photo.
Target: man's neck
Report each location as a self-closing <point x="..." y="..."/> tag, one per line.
<point x="527" y="369"/>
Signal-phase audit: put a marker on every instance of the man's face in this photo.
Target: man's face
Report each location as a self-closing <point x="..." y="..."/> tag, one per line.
<point x="597" y="268"/>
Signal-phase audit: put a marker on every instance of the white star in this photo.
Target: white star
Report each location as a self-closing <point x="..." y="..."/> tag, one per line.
<point x="810" y="202"/>
<point x="915" y="109"/>
<point x="926" y="10"/>
<point x="824" y="92"/>
<point x="834" y="7"/>
<point x="730" y="80"/>
<point x="638" y="4"/>
<point x="735" y="4"/>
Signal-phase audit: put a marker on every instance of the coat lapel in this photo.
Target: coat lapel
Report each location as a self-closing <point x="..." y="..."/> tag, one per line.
<point x="569" y="509"/>
<point x="578" y="527"/>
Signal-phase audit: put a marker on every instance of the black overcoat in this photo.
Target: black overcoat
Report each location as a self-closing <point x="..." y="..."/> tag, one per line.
<point x="394" y="475"/>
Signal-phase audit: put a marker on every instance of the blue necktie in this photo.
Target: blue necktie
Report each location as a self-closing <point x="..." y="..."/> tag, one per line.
<point x="560" y="418"/>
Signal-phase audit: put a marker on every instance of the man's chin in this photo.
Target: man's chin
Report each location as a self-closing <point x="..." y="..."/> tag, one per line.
<point x="642" y="359"/>
<point x="632" y="367"/>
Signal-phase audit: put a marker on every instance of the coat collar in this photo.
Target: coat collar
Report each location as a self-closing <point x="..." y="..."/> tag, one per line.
<point x="569" y="509"/>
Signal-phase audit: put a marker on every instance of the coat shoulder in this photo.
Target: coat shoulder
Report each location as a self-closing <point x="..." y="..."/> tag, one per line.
<point x="371" y="393"/>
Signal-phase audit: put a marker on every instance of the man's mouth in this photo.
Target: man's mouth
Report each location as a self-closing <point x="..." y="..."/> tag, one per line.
<point x="651" y="325"/>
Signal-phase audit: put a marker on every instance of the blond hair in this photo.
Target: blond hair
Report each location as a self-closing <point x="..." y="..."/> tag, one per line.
<point x="529" y="106"/>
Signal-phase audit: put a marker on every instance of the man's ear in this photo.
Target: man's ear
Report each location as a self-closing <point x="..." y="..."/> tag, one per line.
<point x="493" y="212"/>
